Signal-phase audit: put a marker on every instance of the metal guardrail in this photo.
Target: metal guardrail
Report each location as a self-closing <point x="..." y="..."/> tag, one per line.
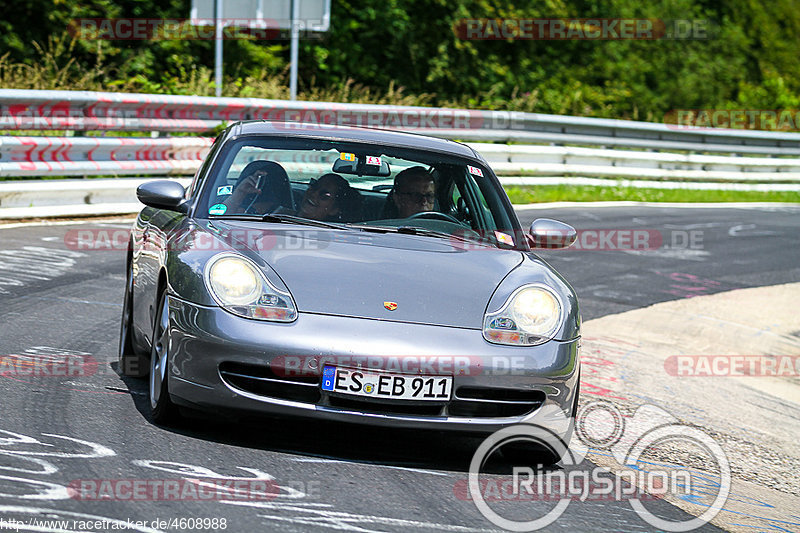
<point x="87" y="156"/>
<point x="552" y="146"/>
<point x="82" y="111"/>
<point x="93" y="156"/>
<point x="70" y="197"/>
<point x="533" y="160"/>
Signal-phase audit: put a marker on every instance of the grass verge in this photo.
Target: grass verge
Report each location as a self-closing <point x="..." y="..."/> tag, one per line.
<point x="583" y="193"/>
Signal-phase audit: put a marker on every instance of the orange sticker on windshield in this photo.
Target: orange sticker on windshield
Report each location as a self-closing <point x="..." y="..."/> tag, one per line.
<point x="344" y="156"/>
<point x="504" y="238"/>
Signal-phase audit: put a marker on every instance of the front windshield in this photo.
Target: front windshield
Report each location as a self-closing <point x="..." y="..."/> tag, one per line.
<point x="359" y="186"/>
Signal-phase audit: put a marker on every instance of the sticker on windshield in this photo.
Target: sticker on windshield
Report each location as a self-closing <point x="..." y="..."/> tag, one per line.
<point x="217" y="209"/>
<point x="225" y="190"/>
<point x="475" y="171"/>
<point x="344" y="156"/>
<point x="505" y="238"/>
<point x="373" y="160"/>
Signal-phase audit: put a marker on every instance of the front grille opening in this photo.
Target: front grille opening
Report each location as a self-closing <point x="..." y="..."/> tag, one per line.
<point x="460" y="408"/>
<point x="386" y="408"/>
<point x="261" y="381"/>
<point x="508" y="395"/>
<point x="264" y="371"/>
<point x="477" y="402"/>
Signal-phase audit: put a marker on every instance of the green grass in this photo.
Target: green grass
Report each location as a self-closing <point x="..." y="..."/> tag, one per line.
<point x="579" y="193"/>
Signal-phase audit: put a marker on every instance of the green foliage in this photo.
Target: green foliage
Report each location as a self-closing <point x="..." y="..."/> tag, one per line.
<point x="392" y="51"/>
<point x="579" y="193"/>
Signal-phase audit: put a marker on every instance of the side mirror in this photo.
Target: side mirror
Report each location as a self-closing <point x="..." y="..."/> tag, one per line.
<point x="162" y="194"/>
<point x="548" y="233"/>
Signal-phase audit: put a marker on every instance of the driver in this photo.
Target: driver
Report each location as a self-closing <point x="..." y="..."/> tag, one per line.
<point x="414" y="192"/>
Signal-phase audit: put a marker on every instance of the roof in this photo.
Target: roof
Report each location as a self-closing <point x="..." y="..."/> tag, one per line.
<point x="356" y="134"/>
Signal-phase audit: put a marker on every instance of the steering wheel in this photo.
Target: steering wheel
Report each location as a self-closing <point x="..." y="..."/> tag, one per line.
<point x="434" y="215"/>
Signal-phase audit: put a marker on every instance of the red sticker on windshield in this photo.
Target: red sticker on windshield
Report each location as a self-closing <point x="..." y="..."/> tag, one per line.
<point x="475" y="171"/>
<point x="373" y="160"/>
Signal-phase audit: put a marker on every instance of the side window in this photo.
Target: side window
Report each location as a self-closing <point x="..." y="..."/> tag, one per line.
<point x="195" y="185"/>
<point x="455" y="196"/>
<point x="459" y="205"/>
<point x="473" y="204"/>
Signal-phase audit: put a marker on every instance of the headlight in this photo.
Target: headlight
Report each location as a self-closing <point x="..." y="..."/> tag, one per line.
<point x="531" y="315"/>
<point x="240" y="287"/>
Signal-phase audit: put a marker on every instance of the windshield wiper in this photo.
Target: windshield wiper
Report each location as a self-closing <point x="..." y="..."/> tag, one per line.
<point x="293" y="219"/>
<point x="414" y="230"/>
<point x="375" y="229"/>
<point x="278" y="218"/>
<point x="240" y="216"/>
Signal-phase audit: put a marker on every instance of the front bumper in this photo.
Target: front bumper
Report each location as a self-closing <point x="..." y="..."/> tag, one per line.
<point x="220" y="361"/>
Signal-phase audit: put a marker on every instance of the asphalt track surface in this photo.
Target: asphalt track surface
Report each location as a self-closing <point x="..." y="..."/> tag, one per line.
<point x="56" y="431"/>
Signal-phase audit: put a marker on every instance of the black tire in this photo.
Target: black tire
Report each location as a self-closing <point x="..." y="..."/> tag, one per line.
<point x="130" y="362"/>
<point x="532" y="454"/>
<point x="162" y="409"/>
<point x="529" y="454"/>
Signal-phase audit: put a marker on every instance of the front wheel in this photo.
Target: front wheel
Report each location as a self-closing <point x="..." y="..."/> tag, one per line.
<point x="529" y="454"/>
<point x="130" y="362"/>
<point x="161" y="407"/>
<point x="546" y="452"/>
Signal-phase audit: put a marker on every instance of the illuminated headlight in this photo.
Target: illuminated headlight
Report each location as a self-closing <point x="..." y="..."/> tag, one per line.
<point x="531" y="315"/>
<point x="240" y="287"/>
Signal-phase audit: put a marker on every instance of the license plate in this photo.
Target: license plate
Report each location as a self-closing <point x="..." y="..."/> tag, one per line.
<point x="389" y="386"/>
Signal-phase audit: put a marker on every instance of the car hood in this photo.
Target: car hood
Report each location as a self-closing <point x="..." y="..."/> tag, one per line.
<point x="359" y="274"/>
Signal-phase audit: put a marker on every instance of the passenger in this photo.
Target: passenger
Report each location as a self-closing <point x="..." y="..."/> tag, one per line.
<point x="262" y="187"/>
<point x="414" y="192"/>
<point x="330" y="198"/>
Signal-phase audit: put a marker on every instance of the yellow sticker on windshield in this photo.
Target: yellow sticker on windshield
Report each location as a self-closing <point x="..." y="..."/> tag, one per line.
<point x="504" y="238"/>
<point x="344" y="156"/>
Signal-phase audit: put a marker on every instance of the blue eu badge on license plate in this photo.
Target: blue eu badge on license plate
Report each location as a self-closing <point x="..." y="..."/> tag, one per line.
<point x="328" y="376"/>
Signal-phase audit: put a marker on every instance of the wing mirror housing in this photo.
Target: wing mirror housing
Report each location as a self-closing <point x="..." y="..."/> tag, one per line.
<point x="552" y="234"/>
<point x="163" y="194"/>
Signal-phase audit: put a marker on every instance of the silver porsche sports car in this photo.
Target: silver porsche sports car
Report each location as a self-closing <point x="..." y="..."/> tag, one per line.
<point x="348" y="274"/>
